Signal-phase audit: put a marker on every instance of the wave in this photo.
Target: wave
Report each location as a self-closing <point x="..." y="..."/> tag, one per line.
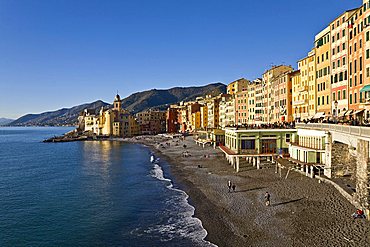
<point x="181" y="222"/>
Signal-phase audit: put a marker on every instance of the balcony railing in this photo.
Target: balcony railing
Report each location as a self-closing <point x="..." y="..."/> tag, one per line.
<point x="300" y="102"/>
<point x="345" y="129"/>
<point x="303" y="89"/>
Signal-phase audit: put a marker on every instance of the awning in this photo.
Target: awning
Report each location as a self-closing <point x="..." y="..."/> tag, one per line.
<point x="365" y="89"/>
<point x="319" y="115"/>
<point x="349" y="112"/>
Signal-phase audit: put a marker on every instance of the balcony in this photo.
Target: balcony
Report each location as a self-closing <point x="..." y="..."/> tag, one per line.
<point x="303" y="89"/>
<point x="300" y="102"/>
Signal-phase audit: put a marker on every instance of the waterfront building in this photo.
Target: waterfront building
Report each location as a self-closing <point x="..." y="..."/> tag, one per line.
<point x="297" y="101"/>
<point x="203" y="117"/>
<point x="339" y="63"/>
<point x="152" y="122"/>
<point x="252" y="99"/>
<point x="237" y="86"/>
<point x="172" y="124"/>
<point x="114" y="121"/>
<point x="282" y="91"/>
<point x="268" y="79"/>
<point x="213" y="107"/>
<point x="308" y="147"/>
<point x="365" y="103"/>
<point x="356" y="58"/>
<point x="323" y="80"/>
<point x="258" y="141"/>
<point x="241" y="106"/>
<point x="259" y="109"/>
<point x="227" y="110"/>
<point x="301" y="90"/>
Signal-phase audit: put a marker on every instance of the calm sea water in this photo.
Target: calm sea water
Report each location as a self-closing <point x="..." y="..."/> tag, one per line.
<point x="88" y="194"/>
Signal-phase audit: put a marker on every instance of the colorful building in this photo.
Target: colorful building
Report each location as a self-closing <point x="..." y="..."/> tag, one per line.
<point x="323" y="80"/>
<point x="237" y="86"/>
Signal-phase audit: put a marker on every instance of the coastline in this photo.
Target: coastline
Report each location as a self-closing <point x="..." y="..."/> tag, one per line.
<point x="303" y="211"/>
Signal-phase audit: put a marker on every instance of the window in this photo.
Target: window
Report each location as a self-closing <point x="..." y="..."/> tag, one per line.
<point x="327" y="99"/>
<point x="318" y="101"/>
<point x="337" y="36"/>
<point x="338" y="63"/>
<point x="367" y="35"/>
<point x="360" y="79"/>
<point x="367" y="54"/>
<point x="355" y="98"/>
<point x="333" y="96"/>
<point x="368" y="72"/>
<point x="338" y="95"/>
<point x="338" y="49"/>
<point x="360" y="63"/>
<point x="344" y="61"/>
<point x="344" y="33"/>
<point x="327" y="55"/>
<point x="248" y="144"/>
<point x="355" y="47"/>
<point x="350" y="68"/>
<point x="344" y="46"/>
<point x="344" y="94"/>
<point x="355" y="66"/>
<point x="360" y="43"/>
<point x="323" y="100"/>
<point x="350" y="98"/>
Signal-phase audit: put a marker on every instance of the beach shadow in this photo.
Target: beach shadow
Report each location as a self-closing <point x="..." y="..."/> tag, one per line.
<point x="240" y="191"/>
<point x="282" y="203"/>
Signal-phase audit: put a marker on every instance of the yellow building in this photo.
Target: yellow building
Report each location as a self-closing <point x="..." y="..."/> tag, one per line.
<point x="203" y="116"/>
<point x="323" y="58"/>
<point x="268" y="79"/>
<point x="196" y="120"/>
<point x="296" y="100"/>
<point x="301" y="91"/>
<point x="237" y="86"/>
<point x="110" y="122"/>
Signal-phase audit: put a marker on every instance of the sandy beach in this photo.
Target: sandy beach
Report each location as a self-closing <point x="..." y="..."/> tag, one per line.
<point x="303" y="212"/>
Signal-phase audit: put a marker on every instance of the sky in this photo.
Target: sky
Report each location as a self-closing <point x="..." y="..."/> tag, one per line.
<point x="62" y="53"/>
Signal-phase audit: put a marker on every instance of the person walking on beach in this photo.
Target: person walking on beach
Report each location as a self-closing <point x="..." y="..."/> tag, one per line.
<point x="234" y="186"/>
<point x="229" y="185"/>
<point x="267" y="199"/>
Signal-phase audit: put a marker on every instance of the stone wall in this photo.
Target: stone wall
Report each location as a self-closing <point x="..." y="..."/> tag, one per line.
<point x="362" y="183"/>
<point x="343" y="161"/>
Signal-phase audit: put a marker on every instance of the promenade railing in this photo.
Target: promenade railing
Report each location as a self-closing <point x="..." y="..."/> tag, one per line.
<point x="345" y="129"/>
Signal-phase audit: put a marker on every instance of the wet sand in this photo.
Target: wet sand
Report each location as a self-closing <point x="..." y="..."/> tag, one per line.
<point x="303" y="212"/>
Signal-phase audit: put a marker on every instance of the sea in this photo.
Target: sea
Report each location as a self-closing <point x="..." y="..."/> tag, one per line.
<point x="92" y="193"/>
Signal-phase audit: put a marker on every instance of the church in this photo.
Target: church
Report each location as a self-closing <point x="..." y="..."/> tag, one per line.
<point x="114" y="121"/>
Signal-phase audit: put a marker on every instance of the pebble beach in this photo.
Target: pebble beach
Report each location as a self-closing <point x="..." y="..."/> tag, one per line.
<point x="303" y="212"/>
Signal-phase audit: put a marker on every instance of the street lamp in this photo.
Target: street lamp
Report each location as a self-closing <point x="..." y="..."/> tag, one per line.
<point x="336" y="110"/>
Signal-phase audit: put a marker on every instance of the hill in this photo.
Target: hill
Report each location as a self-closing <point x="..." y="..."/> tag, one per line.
<point x="159" y="99"/>
<point x="5" y="121"/>
<point x="62" y="117"/>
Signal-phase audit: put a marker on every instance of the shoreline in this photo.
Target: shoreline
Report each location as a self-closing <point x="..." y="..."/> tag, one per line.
<point x="303" y="211"/>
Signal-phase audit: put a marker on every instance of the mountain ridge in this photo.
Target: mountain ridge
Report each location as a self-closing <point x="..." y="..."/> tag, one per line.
<point x="136" y="102"/>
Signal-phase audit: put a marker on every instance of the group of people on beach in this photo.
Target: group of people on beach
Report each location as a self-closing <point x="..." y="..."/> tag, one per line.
<point x="232" y="187"/>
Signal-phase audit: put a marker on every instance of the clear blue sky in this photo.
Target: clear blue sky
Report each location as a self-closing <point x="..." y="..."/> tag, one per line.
<point x="56" y="53"/>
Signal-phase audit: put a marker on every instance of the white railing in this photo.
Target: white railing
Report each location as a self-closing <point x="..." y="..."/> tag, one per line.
<point x="346" y="129"/>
